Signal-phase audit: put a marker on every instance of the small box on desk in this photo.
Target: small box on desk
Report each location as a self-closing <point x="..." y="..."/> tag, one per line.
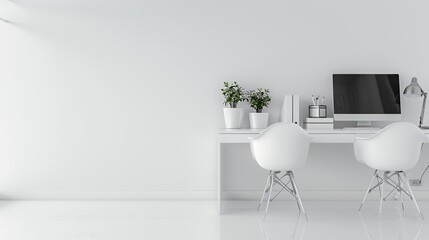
<point x="319" y="123"/>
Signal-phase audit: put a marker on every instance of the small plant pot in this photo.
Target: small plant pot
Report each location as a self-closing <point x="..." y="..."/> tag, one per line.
<point x="233" y="117"/>
<point x="258" y="120"/>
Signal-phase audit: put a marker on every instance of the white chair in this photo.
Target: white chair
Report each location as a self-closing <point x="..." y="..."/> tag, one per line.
<point x="393" y="150"/>
<point x="282" y="147"/>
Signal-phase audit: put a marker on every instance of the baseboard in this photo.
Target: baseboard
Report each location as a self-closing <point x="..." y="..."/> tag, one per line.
<point x="316" y="195"/>
<point x="109" y="195"/>
<point x="189" y="195"/>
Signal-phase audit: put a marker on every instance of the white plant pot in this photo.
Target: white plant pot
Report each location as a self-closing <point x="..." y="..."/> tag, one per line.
<point x="258" y="120"/>
<point x="233" y="117"/>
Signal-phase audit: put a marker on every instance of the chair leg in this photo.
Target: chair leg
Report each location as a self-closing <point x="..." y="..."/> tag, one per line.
<point x="269" y="194"/>
<point x="298" y="197"/>
<point x="412" y="194"/>
<point x="379" y="184"/>
<point x="400" y="191"/>
<point x="283" y="185"/>
<point x="382" y="191"/>
<point x="265" y="188"/>
<point x="271" y="181"/>
<point x="367" y="191"/>
<point x="294" y="191"/>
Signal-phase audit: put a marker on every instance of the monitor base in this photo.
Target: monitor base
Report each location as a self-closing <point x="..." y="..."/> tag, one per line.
<point x="361" y="128"/>
<point x="363" y="124"/>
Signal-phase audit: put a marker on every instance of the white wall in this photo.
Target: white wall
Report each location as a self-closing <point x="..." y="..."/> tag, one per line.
<point x="121" y="99"/>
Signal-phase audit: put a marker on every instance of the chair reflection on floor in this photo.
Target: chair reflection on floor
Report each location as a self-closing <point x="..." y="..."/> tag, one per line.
<point x="406" y="229"/>
<point x="298" y="230"/>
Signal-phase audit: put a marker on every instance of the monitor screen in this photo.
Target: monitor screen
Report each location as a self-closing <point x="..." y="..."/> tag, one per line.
<point x="366" y="94"/>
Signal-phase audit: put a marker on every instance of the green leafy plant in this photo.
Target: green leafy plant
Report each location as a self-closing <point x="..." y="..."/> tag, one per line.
<point x="233" y="94"/>
<point x="259" y="99"/>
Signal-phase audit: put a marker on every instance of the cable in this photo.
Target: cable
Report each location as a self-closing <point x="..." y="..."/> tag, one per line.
<point x="424" y="173"/>
<point x="4" y="20"/>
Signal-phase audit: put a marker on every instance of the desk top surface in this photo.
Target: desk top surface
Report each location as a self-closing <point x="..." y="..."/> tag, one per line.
<point x="311" y="131"/>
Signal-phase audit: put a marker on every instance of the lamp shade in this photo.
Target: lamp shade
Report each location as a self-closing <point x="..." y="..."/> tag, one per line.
<point x="413" y="90"/>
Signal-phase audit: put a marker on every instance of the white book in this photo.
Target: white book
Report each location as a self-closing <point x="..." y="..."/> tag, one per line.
<point x="287" y="109"/>
<point x="295" y="107"/>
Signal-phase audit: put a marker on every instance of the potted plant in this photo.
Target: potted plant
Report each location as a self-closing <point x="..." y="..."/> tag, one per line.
<point x="258" y="100"/>
<point x="233" y="94"/>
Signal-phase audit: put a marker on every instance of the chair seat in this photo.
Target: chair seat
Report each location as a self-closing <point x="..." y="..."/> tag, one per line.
<point x="393" y="150"/>
<point x="282" y="147"/>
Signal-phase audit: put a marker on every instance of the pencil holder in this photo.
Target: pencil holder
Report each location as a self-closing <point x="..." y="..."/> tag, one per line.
<point x="317" y="111"/>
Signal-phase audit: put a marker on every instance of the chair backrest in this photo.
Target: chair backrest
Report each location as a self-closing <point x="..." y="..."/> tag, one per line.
<point x="394" y="148"/>
<point x="281" y="147"/>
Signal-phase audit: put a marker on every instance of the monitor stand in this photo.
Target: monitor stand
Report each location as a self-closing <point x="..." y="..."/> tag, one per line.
<point x="362" y="125"/>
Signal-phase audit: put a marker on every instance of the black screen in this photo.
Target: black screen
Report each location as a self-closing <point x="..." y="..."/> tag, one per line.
<point x="366" y="94"/>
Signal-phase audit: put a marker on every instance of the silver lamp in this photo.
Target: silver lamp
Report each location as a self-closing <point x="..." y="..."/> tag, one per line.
<point x="415" y="91"/>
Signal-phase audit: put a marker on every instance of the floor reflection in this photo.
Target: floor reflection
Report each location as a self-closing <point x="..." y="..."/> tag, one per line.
<point x="387" y="227"/>
<point x="284" y="228"/>
<point x="243" y="221"/>
<point x="328" y="220"/>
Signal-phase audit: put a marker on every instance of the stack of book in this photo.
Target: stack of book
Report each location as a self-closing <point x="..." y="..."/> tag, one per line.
<point x="319" y="123"/>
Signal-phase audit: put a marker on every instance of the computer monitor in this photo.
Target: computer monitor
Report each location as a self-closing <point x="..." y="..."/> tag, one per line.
<point x="366" y="97"/>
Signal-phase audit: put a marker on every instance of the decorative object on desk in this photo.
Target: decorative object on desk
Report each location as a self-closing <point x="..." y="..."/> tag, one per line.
<point x="317" y="100"/>
<point x="317" y="111"/>
<point x="233" y="94"/>
<point x="319" y="123"/>
<point x="415" y="91"/>
<point x="290" y="109"/>
<point x="258" y="99"/>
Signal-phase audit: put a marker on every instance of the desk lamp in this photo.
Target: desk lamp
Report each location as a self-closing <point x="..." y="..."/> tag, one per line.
<point x="415" y="91"/>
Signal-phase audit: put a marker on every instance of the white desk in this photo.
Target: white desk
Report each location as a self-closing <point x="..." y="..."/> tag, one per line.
<point x="318" y="136"/>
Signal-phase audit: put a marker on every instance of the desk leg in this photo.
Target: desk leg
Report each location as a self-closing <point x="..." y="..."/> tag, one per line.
<point x="219" y="176"/>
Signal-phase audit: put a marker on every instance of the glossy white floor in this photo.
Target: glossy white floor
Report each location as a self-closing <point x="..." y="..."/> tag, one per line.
<point x="85" y="220"/>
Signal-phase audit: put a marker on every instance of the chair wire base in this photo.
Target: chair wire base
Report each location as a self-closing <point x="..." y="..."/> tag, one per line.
<point x="274" y="179"/>
<point x="398" y="186"/>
